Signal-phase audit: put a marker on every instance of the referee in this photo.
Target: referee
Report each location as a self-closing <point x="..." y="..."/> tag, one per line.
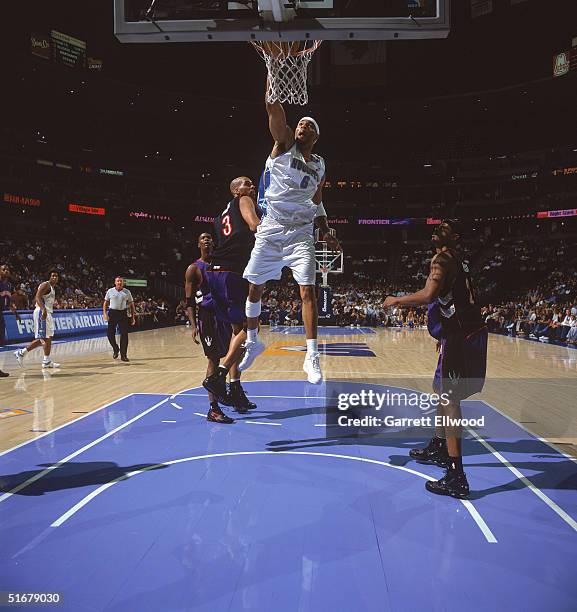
<point x="116" y="302"/>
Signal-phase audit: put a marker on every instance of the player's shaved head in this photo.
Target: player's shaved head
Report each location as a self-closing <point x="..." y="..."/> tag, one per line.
<point x="242" y="186"/>
<point x="237" y="183"/>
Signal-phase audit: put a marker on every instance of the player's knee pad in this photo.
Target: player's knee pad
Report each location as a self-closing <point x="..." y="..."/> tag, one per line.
<point x="252" y="309"/>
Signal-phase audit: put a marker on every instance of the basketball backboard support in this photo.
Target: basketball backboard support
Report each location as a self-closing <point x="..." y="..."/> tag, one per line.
<point x="327" y="261"/>
<point x="148" y="21"/>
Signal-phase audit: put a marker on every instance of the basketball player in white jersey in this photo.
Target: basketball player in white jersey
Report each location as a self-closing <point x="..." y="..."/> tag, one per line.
<point x="293" y="186"/>
<point x="43" y="322"/>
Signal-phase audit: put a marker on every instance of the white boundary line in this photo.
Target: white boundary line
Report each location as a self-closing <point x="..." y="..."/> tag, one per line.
<point x="549" y="444"/>
<point x="262" y="423"/>
<point x="320" y="397"/>
<point x="489" y="536"/>
<point x="70" y="422"/>
<point x="542" y="496"/>
<point x="86" y="447"/>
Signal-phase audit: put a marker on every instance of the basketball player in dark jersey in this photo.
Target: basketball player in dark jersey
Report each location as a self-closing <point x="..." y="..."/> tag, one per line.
<point x="214" y="335"/>
<point x="455" y="321"/>
<point x="235" y="228"/>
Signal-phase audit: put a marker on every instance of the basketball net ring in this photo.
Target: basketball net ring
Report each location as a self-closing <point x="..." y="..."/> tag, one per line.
<point x="324" y="270"/>
<point x="287" y="64"/>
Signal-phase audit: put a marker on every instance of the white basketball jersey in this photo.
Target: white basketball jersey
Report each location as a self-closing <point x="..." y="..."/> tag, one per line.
<point x="290" y="183"/>
<point x="49" y="299"/>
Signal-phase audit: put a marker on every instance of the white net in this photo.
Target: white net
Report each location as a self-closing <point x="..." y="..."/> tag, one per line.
<point x="287" y="64"/>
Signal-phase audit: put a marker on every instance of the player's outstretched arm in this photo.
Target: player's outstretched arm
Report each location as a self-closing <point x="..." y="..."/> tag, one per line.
<point x="321" y="219"/>
<point x="431" y="290"/>
<point x="281" y="133"/>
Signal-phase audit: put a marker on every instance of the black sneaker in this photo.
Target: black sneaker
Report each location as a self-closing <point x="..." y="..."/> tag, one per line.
<point x="435" y="452"/>
<point x="216" y="415"/>
<point x="453" y="483"/>
<point x="3" y="374"/>
<point x="239" y="399"/>
<point x="124" y="358"/>
<point x="115" y="353"/>
<point x="228" y="400"/>
<point x="216" y="384"/>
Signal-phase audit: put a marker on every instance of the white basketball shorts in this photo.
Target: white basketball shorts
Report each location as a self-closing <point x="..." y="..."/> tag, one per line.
<point x="279" y="245"/>
<point x="43" y="328"/>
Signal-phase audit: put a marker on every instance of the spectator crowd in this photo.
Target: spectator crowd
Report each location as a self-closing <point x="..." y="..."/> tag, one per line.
<point x="529" y="288"/>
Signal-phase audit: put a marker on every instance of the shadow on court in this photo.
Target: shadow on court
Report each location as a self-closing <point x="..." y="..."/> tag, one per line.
<point x="70" y="476"/>
<point x="553" y="472"/>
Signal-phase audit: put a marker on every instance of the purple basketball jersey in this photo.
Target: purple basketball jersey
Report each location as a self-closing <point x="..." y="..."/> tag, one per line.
<point x="203" y="296"/>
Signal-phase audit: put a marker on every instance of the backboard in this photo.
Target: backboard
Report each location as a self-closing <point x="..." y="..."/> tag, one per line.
<point x="155" y="21"/>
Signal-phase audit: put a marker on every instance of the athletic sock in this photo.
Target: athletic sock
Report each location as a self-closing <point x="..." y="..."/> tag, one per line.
<point x="456" y="464"/>
<point x="46" y="360"/>
<point x="222" y="370"/>
<point x="251" y="335"/>
<point x="23" y="351"/>
<point x="312" y="345"/>
<point x="235" y="381"/>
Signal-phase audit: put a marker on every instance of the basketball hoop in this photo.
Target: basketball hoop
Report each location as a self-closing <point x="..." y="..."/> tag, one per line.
<point x="287" y="64"/>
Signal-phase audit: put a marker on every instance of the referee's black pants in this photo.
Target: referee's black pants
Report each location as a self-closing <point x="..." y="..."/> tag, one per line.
<point x="120" y="318"/>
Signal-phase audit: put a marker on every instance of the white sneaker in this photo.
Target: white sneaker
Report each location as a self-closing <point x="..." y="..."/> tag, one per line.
<point x="50" y="364"/>
<point x="312" y="367"/>
<point x="251" y="351"/>
<point x="19" y="357"/>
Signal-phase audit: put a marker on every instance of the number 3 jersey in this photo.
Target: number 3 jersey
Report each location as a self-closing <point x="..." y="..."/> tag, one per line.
<point x="234" y="240"/>
<point x="288" y="185"/>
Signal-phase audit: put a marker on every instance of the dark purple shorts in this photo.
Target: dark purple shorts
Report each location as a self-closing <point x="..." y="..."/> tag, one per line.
<point x="214" y="335"/>
<point x="462" y="364"/>
<point x="229" y="291"/>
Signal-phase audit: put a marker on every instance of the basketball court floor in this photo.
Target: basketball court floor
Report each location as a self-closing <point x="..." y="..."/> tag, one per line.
<point x="119" y="495"/>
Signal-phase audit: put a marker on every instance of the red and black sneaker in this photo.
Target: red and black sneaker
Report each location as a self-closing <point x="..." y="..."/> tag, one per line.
<point x="216" y="415"/>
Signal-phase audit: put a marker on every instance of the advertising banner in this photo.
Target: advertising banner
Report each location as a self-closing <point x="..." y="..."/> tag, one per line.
<point x="325" y="305"/>
<point x="66" y="323"/>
